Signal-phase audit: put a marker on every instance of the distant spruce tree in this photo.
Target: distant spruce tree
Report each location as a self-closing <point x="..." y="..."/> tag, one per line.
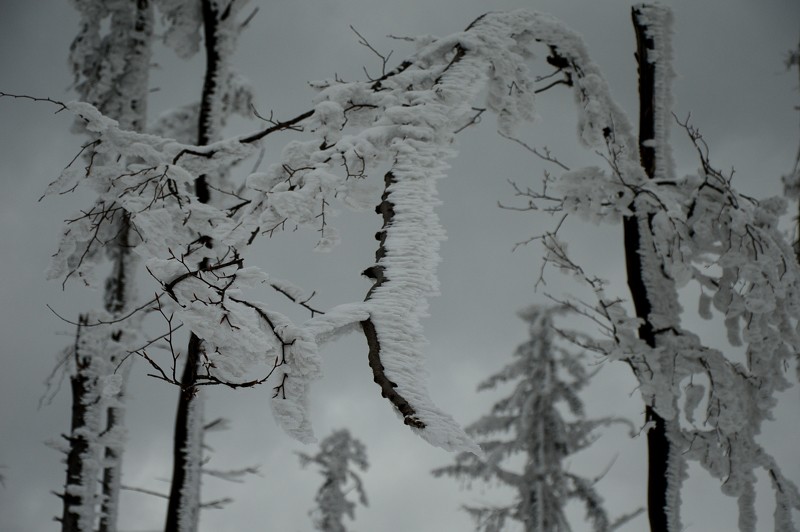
<point x="531" y="421"/>
<point x="337" y="455"/>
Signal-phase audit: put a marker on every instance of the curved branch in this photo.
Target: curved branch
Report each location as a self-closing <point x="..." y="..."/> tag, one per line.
<point x="377" y="272"/>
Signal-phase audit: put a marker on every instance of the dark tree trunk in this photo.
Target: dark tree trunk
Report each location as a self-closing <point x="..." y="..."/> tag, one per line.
<point x="78" y="447"/>
<point x="185" y="434"/>
<point x="111" y="477"/>
<point x="80" y="481"/>
<point x="658" y="444"/>
<point x="182" y="444"/>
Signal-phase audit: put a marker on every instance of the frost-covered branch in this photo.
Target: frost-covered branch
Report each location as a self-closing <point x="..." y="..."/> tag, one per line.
<point x="405" y="120"/>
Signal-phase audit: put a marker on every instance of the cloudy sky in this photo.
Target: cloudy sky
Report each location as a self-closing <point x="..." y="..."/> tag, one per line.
<point x="729" y="59"/>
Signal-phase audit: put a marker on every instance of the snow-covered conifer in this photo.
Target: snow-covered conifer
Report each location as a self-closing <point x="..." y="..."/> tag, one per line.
<point x="339" y="456"/>
<point x="543" y="421"/>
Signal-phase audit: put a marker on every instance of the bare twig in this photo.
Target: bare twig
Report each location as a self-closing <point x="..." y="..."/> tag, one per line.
<point x="303" y="303"/>
<point x="62" y="106"/>
<point x="545" y="155"/>
<point x="384" y="58"/>
<point x="145" y="491"/>
<point x="476" y="119"/>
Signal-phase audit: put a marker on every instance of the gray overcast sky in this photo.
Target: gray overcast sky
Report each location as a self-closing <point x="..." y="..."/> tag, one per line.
<point x="729" y="58"/>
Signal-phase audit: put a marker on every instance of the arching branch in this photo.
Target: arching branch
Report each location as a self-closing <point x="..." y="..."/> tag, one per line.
<point x="386" y="209"/>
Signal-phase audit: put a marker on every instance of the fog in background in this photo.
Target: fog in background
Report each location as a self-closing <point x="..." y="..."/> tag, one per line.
<point x="729" y="56"/>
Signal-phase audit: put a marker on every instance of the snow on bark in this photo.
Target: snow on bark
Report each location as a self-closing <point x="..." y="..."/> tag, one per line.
<point x="189" y="510"/>
<point x="220" y="29"/>
<point x="111" y="69"/>
<point x="96" y="385"/>
<point x="656" y="20"/>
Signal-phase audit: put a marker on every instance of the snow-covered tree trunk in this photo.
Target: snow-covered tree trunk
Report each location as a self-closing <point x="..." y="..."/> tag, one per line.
<point x="183" y="508"/>
<point x="80" y="490"/>
<point x="120" y="285"/>
<point x="112" y="71"/>
<point x="219" y="24"/>
<point x="652" y="290"/>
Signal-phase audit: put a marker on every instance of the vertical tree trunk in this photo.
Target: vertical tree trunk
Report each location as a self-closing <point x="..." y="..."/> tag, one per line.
<point x="638" y="250"/>
<point x="112" y="473"/>
<point x="184" y="499"/>
<point x="78" y="446"/>
<point x="83" y="467"/>
<point x="114" y="77"/>
<point x="183" y="509"/>
<point x="73" y="496"/>
<point x="794" y="176"/>
<point x="119" y="290"/>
